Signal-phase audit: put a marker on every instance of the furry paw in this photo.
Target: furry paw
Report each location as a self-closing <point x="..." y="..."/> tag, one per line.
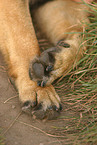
<point x="49" y="65"/>
<point x="46" y="106"/>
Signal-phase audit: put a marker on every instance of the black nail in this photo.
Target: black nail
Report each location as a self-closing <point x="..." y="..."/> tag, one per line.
<point x="49" y="68"/>
<point x="60" y="107"/>
<point x="39" y="83"/>
<point x="66" y="45"/>
<point x="34" y="103"/>
<point x="62" y="43"/>
<point x="26" y="103"/>
<point x="38" y="107"/>
<point x="55" y="108"/>
<point x="43" y="84"/>
<point x="50" y="108"/>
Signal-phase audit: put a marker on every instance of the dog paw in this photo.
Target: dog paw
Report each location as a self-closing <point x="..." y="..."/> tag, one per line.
<point x="45" y="106"/>
<point x="42" y="65"/>
<point x="50" y="64"/>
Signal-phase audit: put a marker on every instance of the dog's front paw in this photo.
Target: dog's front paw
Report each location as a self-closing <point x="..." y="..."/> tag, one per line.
<point x="45" y="105"/>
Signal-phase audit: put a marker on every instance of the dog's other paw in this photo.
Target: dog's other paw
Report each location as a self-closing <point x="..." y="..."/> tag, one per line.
<point x="69" y="54"/>
<point x="42" y="65"/>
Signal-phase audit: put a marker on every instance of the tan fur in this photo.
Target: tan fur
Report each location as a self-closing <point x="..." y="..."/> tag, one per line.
<point x="18" y="42"/>
<point x="61" y="16"/>
<point x="19" y="45"/>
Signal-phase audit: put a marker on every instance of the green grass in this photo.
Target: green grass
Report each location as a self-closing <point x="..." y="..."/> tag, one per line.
<point x="79" y="89"/>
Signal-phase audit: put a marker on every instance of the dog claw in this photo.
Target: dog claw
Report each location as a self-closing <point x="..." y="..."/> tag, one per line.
<point x="49" y="68"/>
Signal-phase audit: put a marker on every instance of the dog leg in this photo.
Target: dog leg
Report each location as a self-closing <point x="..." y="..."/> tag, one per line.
<point x="19" y="45"/>
<point x="62" y="22"/>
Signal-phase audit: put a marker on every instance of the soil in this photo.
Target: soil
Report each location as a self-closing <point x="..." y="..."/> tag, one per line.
<point x="19" y="128"/>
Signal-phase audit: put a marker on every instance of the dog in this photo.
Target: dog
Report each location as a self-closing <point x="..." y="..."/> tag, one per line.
<point x="62" y="23"/>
